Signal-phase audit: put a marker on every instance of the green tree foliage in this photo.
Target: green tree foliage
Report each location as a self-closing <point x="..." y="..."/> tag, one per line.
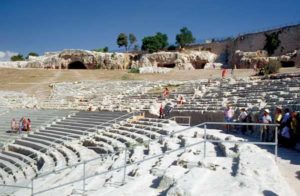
<point x="136" y="47"/>
<point x="155" y="43"/>
<point x="185" y="37"/>
<point x="272" y="42"/>
<point x="105" y="49"/>
<point x="163" y="40"/>
<point x="122" y="40"/>
<point x="32" y="54"/>
<point x="132" y="39"/>
<point x="18" y="57"/>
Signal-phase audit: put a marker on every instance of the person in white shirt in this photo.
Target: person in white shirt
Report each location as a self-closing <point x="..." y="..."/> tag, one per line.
<point x="228" y="116"/>
<point x="266" y="129"/>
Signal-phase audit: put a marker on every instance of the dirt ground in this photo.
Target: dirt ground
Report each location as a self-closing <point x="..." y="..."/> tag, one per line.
<point x="36" y="81"/>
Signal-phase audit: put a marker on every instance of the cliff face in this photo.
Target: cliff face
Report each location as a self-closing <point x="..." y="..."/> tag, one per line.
<point x="182" y="60"/>
<point x="83" y="59"/>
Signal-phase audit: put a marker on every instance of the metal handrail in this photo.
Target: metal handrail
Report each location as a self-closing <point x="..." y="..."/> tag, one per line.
<point x="170" y="151"/>
<point x="170" y="135"/>
<point x="184" y="124"/>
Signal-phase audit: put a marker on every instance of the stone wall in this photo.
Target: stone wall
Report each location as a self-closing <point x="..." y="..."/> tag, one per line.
<point x="289" y="37"/>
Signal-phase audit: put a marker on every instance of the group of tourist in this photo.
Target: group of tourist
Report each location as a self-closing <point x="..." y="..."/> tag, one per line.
<point x="164" y="110"/>
<point x="288" y="124"/>
<point x="23" y="125"/>
<point x="289" y="128"/>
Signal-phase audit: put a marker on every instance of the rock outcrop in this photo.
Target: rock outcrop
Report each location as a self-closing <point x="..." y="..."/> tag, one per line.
<point x="84" y="59"/>
<point x="63" y="60"/>
<point x="181" y="60"/>
<point x="250" y="59"/>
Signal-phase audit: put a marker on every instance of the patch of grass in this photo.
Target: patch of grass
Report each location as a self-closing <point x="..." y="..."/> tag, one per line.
<point x="128" y="77"/>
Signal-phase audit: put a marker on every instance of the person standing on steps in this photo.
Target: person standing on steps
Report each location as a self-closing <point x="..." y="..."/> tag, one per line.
<point x="228" y="117"/>
<point x="14" y="125"/>
<point x="161" y="111"/>
<point x="166" y="93"/>
<point x="243" y="118"/>
<point x="266" y="129"/>
<point x="224" y="71"/>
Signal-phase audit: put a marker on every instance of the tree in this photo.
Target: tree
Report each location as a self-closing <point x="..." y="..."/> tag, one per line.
<point x="272" y="42"/>
<point x="132" y="39"/>
<point x="122" y="40"/>
<point x="150" y="44"/>
<point x="32" y="54"/>
<point x="163" y="40"/>
<point x="155" y="43"/>
<point x="185" y="37"/>
<point x="18" y="57"/>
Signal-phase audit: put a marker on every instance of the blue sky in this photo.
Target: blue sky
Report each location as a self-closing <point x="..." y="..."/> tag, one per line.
<point x="52" y="25"/>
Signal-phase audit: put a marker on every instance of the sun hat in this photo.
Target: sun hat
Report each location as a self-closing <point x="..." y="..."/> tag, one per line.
<point x="267" y="111"/>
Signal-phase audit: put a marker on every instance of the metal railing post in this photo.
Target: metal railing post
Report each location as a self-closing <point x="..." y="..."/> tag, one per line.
<point x="32" y="186"/>
<point x="83" y="180"/>
<point x="204" y="154"/>
<point x="125" y="163"/>
<point x="149" y="146"/>
<point x="276" y="143"/>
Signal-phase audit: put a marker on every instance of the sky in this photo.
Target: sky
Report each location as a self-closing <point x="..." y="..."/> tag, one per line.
<point x="53" y="25"/>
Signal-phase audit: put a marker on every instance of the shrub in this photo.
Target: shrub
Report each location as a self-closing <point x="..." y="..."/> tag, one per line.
<point x="98" y="66"/>
<point x="270" y="68"/>
<point x="18" y="57"/>
<point x="134" y="70"/>
<point x="32" y="54"/>
<point x="172" y="48"/>
<point x="105" y="49"/>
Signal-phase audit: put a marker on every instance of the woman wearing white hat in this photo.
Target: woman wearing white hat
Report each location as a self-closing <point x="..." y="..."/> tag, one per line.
<point x="267" y="120"/>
